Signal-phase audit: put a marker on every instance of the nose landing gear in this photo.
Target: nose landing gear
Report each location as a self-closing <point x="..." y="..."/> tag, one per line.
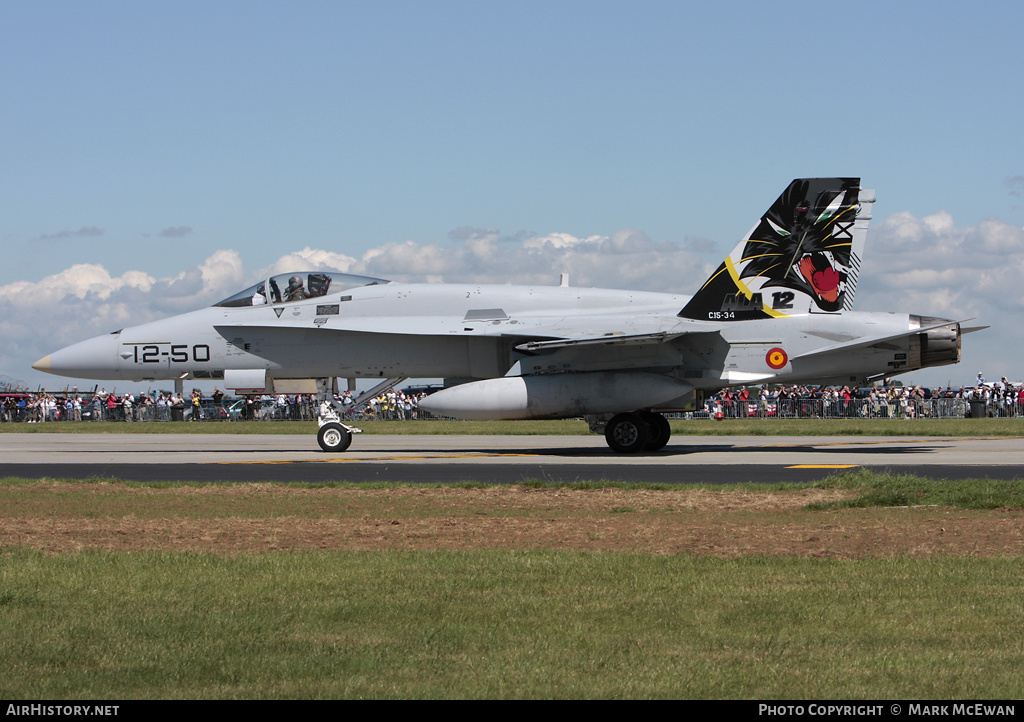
<point x="333" y="436"/>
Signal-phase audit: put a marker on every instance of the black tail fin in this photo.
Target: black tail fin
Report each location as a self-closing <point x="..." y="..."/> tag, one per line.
<point x="803" y="256"/>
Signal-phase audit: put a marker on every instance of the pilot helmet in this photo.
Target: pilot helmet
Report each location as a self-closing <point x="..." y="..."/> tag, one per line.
<point x="294" y="283"/>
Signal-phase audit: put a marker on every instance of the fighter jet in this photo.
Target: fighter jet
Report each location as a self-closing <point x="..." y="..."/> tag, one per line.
<point x="777" y="310"/>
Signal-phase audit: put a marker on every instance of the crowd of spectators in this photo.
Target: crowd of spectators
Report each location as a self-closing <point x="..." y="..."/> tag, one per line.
<point x="393" y="404"/>
<point x="103" y="405"/>
<point x="883" y="400"/>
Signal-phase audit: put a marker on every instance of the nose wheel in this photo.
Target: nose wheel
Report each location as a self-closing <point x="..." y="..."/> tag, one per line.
<point x="334" y="437"/>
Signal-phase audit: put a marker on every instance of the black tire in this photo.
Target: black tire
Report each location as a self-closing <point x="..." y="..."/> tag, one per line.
<point x="658" y="430"/>
<point x="333" y="437"/>
<point x="626" y="433"/>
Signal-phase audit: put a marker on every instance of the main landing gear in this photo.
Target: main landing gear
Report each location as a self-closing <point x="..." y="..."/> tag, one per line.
<point x="637" y="431"/>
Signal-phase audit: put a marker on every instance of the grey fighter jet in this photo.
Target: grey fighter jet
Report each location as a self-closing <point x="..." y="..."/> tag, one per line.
<point x="777" y="310"/>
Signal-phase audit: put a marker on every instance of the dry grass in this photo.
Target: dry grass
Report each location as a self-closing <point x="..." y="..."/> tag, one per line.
<point x="261" y="518"/>
<point x="276" y="591"/>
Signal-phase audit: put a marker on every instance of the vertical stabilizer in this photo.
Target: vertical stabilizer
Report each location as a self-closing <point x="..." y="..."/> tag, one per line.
<point x="804" y="255"/>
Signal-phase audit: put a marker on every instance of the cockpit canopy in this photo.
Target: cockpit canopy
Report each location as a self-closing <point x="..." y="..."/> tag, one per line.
<point x="297" y="286"/>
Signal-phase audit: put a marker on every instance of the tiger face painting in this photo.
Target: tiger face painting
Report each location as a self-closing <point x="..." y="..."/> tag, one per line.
<point x="805" y="243"/>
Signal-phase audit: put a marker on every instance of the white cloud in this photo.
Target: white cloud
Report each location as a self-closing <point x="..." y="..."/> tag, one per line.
<point x="973" y="265"/>
<point x="221" y="270"/>
<point x="930" y="266"/>
<point x="405" y="260"/>
<point x="79" y="281"/>
<point x="310" y="259"/>
<point x="623" y="259"/>
<point x="85" y="300"/>
<point x="560" y="240"/>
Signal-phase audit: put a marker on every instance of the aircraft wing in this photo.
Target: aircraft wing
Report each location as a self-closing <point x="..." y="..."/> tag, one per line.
<point x="560" y="342"/>
<point x="608" y="339"/>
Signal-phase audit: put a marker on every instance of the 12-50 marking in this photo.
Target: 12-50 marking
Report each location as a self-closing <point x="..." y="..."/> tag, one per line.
<point x="179" y="353"/>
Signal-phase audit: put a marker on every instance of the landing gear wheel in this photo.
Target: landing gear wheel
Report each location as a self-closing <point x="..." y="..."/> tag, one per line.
<point x="626" y="433"/>
<point x="658" y="430"/>
<point x="333" y="437"/>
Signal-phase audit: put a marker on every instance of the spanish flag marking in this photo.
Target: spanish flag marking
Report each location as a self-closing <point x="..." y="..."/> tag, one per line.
<point x="776" y="358"/>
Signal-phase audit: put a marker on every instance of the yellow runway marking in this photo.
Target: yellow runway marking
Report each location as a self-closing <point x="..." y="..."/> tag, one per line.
<point x="823" y="466"/>
<point x="431" y="456"/>
<point x="889" y="440"/>
<point x="373" y="458"/>
<point x="795" y="444"/>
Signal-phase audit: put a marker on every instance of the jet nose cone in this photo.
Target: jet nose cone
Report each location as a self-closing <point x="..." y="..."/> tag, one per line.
<point x="43" y="364"/>
<point x="95" y="358"/>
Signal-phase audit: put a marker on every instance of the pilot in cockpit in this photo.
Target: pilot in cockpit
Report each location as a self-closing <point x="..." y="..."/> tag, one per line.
<point x="296" y="291"/>
<point x="260" y="297"/>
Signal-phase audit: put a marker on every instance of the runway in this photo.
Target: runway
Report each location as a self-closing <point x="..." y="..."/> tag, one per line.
<point x="497" y="459"/>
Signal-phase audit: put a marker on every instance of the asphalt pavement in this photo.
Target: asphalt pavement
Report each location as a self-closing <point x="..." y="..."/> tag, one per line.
<point x="497" y="459"/>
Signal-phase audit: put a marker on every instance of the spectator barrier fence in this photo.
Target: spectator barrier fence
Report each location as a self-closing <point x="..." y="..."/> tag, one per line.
<point x="305" y="410"/>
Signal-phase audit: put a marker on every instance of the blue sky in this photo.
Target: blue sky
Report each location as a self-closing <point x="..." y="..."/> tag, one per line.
<point x="145" y="138"/>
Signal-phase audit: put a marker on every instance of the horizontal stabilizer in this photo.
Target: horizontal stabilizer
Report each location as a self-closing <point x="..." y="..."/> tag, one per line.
<point x="865" y="342"/>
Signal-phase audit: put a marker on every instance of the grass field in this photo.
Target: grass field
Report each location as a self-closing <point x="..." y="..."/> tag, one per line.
<point x="498" y="624"/>
<point x="703" y="427"/>
<point x="136" y="591"/>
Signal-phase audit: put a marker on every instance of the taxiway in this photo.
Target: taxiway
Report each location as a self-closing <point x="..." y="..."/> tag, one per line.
<point x="497" y="459"/>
